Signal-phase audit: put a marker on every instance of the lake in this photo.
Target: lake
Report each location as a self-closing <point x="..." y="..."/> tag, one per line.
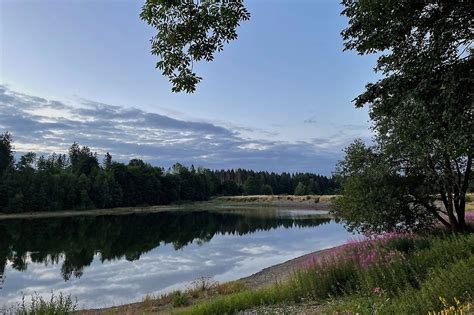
<point x="118" y="259"/>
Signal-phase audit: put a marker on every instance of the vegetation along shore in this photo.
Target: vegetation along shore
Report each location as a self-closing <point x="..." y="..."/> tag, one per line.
<point x="398" y="273"/>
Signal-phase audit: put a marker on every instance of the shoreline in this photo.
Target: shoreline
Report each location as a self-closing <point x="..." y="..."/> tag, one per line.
<point x="267" y="276"/>
<point x="217" y="203"/>
<point x="280" y="272"/>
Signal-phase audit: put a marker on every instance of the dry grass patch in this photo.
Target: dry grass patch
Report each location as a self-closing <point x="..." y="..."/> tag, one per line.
<point x="276" y="198"/>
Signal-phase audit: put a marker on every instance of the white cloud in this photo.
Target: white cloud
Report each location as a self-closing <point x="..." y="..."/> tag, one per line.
<point x="42" y="125"/>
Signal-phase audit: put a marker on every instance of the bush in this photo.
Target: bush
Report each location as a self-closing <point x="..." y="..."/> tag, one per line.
<point x="179" y="299"/>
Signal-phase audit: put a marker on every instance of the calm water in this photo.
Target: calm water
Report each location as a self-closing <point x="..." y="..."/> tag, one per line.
<point x="110" y="260"/>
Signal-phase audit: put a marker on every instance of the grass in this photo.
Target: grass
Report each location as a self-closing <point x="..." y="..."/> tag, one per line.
<point x="56" y="305"/>
<point x="275" y="198"/>
<point x="200" y="289"/>
<point x="470" y="207"/>
<point x="395" y="274"/>
<point x="444" y="288"/>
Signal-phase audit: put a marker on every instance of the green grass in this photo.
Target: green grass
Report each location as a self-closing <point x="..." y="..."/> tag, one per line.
<point x="235" y="302"/>
<point x="452" y="282"/>
<point x="420" y="270"/>
<point x="56" y="305"/>
<point x="469" y="207"/>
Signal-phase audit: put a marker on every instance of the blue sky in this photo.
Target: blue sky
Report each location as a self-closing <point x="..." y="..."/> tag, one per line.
<point x="278" y="98"/>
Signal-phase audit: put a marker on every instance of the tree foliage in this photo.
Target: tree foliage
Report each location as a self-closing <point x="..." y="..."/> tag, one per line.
<point x="422" y="109"/>
<point x="190" y="31"/>
<point x="6" y="151"/>
<point x="376" y="197"/>
<point x="300" y="189"/>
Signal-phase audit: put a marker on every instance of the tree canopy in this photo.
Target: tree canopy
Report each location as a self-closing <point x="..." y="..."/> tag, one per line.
<point x="190" y="31"/>
<point x="422" y="113"/>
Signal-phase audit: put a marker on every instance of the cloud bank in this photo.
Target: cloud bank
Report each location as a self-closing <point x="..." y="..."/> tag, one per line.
<point x="47" y="126"/>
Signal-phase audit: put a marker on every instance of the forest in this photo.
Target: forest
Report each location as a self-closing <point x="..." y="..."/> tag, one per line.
<point x="79" y="180"/>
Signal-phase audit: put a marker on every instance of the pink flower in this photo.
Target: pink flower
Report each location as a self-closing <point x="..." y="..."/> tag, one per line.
<point x="469" y="216"/>
<point x="376" y="290"/>
<point x="364" y="252"/>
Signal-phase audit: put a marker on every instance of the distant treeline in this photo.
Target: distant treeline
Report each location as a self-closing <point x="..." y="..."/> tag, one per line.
<point x="79" y="181"/>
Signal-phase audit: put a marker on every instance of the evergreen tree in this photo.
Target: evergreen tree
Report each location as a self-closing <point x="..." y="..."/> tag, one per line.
<point x="267" y="190"/>
<point x="300" y="189"/>
<point x="54" y="182"/>
<point x="252" y="186"/>
<point x="6" y="151"/>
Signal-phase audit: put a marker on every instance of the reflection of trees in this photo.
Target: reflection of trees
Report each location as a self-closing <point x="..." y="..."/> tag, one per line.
<point x="76" y="240"/>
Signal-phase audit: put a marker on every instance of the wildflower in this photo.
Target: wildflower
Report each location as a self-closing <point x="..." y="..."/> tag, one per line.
<point x="469" y="216"/>
<point x="376" y="290"/>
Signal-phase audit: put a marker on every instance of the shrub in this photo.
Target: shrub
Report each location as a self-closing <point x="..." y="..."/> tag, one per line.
<point x="203" y="284"/>
<point x="179" y="299"/>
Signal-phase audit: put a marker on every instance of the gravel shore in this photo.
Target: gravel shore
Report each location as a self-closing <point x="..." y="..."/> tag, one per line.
<point x="281" y="271"/>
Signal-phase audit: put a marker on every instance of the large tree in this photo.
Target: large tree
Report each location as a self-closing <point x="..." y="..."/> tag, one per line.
<point x="422" y="113"/>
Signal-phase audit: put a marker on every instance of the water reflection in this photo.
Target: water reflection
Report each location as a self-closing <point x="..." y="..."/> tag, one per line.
<point x="109" y="260"/>
<point x="74" y="241"/>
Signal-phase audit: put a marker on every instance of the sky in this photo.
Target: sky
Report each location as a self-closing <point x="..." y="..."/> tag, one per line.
<point x="279" y="98"/>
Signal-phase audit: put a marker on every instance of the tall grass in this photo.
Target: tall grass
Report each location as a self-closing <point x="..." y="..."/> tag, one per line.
<point x="56" y="305"/>
<point x="243" y="300"/>
<point x="364" y="275"/>
<point x="454" y="282"/>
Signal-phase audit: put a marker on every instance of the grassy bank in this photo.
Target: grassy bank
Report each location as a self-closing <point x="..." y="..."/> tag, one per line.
<point x="388" y="274"/>
<point x="396" y="273"/>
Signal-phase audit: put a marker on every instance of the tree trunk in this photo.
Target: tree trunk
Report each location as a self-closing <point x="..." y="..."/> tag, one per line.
<point x="448" y="205"/>
<point x="461" y="212"/>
